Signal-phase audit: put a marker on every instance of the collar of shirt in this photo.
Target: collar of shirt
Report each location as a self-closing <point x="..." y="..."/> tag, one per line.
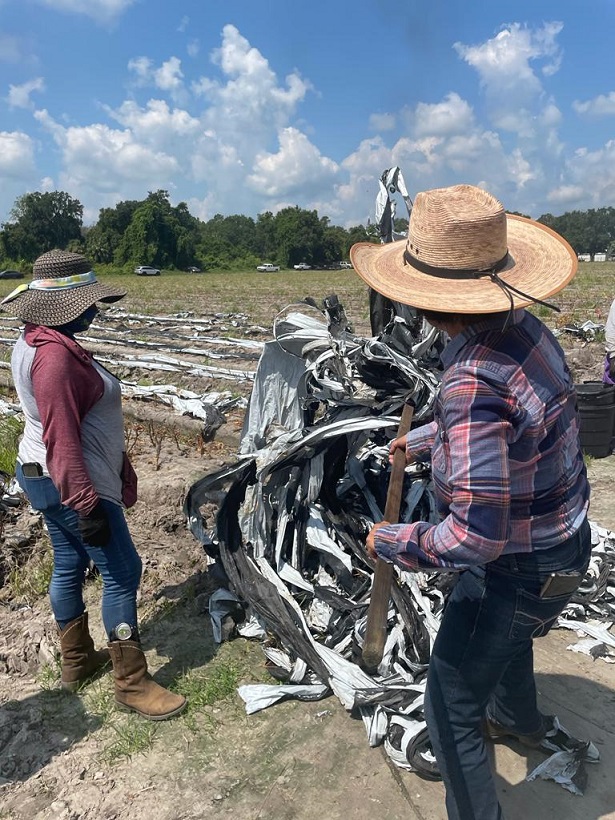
<point x="493" y="322"/>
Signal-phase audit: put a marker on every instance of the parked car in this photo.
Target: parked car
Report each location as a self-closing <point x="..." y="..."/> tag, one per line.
<point x="147" y="270"/>
<point x="11" y="274"/>
<point x="302" y="266"/>
<point x="345" y="264"/>
<point x="193" y="269"/>
<point x="267" y="267"/>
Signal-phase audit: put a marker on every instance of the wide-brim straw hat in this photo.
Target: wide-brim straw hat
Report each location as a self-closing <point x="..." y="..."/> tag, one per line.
<point x="465" y="254"/>
<point x="63" y="286"/>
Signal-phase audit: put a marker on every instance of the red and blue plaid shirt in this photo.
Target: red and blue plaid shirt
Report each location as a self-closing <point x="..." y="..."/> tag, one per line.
<point x="506" y="461"/>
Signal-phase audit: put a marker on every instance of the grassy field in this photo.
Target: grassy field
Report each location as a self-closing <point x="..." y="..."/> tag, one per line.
<point x="262" y="296"/>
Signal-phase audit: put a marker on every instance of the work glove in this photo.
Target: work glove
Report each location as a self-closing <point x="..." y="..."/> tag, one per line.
<point x="612" y="367"/>
<point x="94" y="527"/>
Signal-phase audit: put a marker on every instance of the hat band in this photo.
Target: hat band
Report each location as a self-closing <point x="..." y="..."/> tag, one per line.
<point x="63" y="282"/>
<point x="453" y="273"/>
<point x="77" y="280"/>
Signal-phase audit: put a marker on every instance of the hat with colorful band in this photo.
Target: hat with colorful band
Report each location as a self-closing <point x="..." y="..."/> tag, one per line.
<point x="63" y="286"/>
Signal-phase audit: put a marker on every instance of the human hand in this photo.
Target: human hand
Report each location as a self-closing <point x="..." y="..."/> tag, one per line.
<point x="94" y="527"/>
<point x="370" y="542"/>
<point x="399" y="444"/>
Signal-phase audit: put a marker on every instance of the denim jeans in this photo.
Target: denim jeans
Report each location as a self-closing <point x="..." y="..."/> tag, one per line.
<point x="483" y="660"/>
<point x="118" y="562"/>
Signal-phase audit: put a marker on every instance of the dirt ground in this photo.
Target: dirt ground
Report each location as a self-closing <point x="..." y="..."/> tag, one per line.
<point x="60" y="754"/>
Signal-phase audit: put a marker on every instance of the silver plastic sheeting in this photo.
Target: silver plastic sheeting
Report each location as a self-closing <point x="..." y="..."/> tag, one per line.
<point x="309" y="483"/>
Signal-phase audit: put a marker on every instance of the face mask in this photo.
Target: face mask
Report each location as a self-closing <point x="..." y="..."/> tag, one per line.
<point x="81" y="323"/>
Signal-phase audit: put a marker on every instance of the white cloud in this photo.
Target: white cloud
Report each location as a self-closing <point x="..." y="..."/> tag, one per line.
<point x="382" y="122"/>
<point x="193" y="48"/>
<point x="565" y="195"/>
<point x="142" y="67"/>
<point x="250" y="100"/>
<point x="102" y="165"/>
<point x="19" y="95"/>
<point x="16" y="155"/>
<point x="590" y="179"/>
<point x="157" y="123"/>
<point x="451" y="116"/>
<point x="103" y="11"/>
<point x="602" y="105"/>
<point x="168" y="77"/>
<point x="183" y="24"/>
<point x="297" y="169"/>
<point x="504" y="64"/>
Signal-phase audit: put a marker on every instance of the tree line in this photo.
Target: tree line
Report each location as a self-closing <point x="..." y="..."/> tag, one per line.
<point x="154" y="232"/>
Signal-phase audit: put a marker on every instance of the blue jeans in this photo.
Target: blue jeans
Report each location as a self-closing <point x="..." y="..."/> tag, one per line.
<point x="118" y="562"/>
<point x="482" y="660"/>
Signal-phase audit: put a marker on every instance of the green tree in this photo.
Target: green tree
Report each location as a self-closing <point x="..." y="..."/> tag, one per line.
<point x="158" y="234"/>
<point x="299" y="236"/>
<point x="40" y="222"/>
<point x="103" y="239"/>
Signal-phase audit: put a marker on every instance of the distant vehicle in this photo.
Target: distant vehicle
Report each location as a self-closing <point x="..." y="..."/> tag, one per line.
<point x="267" y="267"/>
<point x="345" y="264"/>
<point x="302" y="266"/>
<point x="147" y="270"/>
<point x="193" y="270"/>
<point x="11" y="274"/>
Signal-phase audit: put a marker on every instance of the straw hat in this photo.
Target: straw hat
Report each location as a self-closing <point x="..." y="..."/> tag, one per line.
<point x="464" y="254"/>
<point x="63" y="286"/>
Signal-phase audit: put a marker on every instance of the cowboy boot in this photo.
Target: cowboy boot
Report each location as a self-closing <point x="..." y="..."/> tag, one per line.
<point x="135" y="688"/>
<point x="80" y="661"/>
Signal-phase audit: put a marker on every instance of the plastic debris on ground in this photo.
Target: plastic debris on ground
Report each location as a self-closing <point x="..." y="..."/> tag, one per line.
<point x="309" y="482"/>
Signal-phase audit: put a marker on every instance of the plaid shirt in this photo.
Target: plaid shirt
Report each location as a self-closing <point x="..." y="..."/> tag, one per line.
<point x="506" y="460"/>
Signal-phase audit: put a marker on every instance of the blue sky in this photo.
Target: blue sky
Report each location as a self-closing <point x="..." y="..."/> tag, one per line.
<point x="241" y="107"/>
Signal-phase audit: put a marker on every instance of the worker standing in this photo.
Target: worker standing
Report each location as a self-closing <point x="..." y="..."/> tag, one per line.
<point x="508" y="472"/>
<point x="72" y="466"/>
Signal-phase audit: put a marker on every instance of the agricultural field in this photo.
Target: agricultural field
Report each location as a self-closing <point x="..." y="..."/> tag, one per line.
<point x="67" y="757"/>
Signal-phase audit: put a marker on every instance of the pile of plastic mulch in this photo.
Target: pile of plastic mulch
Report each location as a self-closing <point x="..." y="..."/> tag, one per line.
<point x="309" y="482"/>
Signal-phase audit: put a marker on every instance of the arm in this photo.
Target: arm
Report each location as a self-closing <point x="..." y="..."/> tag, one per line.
<point x="417" y="443"/>
<point x="65" y="389"/>
<point x="475" y="429"/>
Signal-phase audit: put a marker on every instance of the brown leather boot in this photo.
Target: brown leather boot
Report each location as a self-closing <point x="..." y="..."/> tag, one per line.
<point x="134" y="687"/>
<point x="80" y="661"/>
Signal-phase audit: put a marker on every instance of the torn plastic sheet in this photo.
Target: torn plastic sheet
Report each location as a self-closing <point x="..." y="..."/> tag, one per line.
<point x="174" y="365"/>
<point x="566" y="768"/>
<point x="600" y="632"/>
<point x="593" y="648"/>
<point x="223" y="603"/>
<point x="257" y="696"/>
<point x="586" y="331"/>
<point x="186" y="402"/>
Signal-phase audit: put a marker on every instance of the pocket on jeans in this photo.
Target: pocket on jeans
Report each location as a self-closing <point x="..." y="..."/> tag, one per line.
<point x="41" y="493"/>
<point x="534" y="616"/>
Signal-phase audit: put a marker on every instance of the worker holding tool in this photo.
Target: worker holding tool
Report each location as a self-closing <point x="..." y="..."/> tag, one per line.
<point x="508" y="472"/>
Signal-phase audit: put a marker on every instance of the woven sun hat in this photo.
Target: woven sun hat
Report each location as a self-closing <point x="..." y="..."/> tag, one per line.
<point x="465" y="254"/>
<point x="63" y="286"/>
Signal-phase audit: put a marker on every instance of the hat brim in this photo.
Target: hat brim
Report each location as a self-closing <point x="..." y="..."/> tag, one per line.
<point x="540" y="264"/>
<point x="59" y="307"/>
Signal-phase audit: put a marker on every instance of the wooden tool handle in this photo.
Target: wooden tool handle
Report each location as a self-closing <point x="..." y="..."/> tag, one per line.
<point x="376" y="630"/>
